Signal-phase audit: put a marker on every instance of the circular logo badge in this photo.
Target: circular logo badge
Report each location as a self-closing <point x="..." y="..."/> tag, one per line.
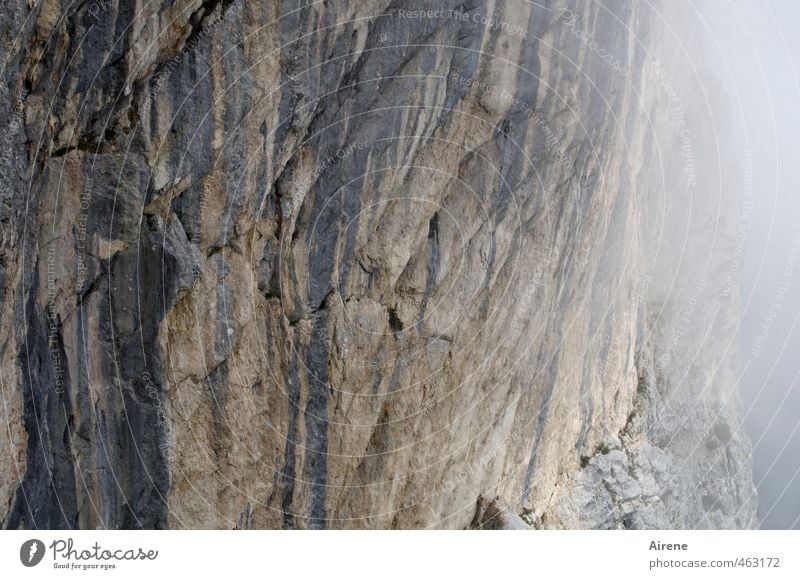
<point x="31" y="552"/>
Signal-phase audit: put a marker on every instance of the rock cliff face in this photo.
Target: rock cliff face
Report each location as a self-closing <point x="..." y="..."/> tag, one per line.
<point x="348" y="265"/>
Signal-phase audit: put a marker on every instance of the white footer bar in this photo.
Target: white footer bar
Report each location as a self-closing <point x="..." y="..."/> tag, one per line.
<point x="382" y="554"/>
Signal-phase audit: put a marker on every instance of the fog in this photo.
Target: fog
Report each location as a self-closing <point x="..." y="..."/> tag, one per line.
<point x="756" y="53"/>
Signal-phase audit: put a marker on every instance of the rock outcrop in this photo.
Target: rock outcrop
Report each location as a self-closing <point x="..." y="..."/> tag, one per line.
<point x="352" y="265"/>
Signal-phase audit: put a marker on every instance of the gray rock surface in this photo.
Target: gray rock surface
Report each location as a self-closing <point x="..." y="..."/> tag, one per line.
<point x="336" y="264"/>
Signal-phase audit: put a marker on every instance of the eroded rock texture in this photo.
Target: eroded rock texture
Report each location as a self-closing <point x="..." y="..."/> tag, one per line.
<point x="337" y="264"/>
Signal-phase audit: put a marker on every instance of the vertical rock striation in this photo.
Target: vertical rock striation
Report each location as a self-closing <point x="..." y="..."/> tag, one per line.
<point x="349" y="265"/>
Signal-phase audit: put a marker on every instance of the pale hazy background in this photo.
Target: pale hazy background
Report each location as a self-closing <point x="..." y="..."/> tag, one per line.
<point x="756" y="53"/>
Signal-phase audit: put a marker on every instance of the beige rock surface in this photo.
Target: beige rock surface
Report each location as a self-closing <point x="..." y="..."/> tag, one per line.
<point x="332" y="265"/>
